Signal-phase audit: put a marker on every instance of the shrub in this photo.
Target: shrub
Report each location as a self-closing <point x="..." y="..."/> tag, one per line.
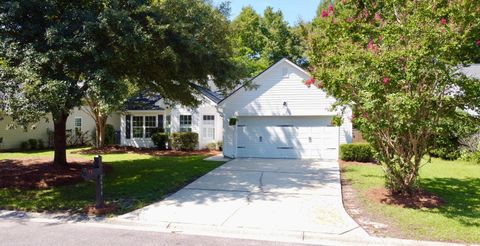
<point x="360" y="152"/>
<point x="109" y="135"/>
<point x="41" y="144"/>
<point x="33" y="143"/>
<point x="24" y="145"/>
<point x="50" y="137"/>
<point x="184" y="140"/>
<point x="467" y="155"/>
<point x="160" y="140"/>
<point x="212" y="146"/>
<point x="158" y="130"/>
<point x="220" y="145"/>
<point x="446" y="146"/>
<point x="446" y="152"/>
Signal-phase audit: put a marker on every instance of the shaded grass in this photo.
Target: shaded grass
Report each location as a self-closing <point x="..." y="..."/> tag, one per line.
<point x="136" y="180"/>
<point x="457" y="182"/>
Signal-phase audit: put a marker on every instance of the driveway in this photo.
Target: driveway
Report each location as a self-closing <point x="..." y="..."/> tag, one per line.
<point x="268" y="194"/>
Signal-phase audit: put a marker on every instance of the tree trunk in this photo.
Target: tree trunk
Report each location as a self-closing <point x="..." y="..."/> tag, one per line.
<point x="60" y="140"/>
<point x="100" y="130"/>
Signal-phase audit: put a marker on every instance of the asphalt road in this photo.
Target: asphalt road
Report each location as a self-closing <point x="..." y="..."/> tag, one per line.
<point x="38" y="234"/>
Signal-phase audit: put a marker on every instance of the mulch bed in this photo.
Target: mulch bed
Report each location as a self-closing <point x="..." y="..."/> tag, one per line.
<point x="376" y="224"/>
<point x="421" y="199"/>
<point x="40" y="173"/>
<point x="108" y="208"/>
<point x="148" y="151"/>
<point x="354" y="163"/>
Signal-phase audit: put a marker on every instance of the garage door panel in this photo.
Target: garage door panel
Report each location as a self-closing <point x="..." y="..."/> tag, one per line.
<point x="286" y="137"/>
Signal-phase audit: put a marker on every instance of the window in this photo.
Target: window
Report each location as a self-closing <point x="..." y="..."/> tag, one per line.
<point x="208" y="128"/>
<point x="185" y="123"/>
<point x="150" y="125"/>
<point x="78" y="126"/>
<point x="137" y="128"/>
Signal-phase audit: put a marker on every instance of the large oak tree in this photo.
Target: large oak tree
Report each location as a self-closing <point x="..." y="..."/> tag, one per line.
<point x="54" y="51"/>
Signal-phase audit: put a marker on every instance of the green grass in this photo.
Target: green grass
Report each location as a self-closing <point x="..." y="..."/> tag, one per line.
<point x="137" y="180"/>
<point x="457" y="182"/>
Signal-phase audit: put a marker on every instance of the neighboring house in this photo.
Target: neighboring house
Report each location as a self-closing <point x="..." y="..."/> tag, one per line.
<point x="79" y="119"/>
<point x="134" y="125"/>
<point x="282" y="118"/>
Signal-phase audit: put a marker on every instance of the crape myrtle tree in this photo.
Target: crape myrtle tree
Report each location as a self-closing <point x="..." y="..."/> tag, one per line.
<point x="395" y="63"/>
<point x="102" y="100"/>
<point x="56" y="51"/>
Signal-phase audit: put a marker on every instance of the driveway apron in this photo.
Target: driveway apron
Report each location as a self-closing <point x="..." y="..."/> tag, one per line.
<point x="271" y="194"/>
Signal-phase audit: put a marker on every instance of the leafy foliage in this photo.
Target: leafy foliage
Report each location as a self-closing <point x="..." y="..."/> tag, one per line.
<point x="184" y="140"/>
<point x="33" y="143"/>
<point x="360" y="152"/>
<point x="395" y="63"/>
<point x="447" y="141"/>
<point x="261" y="41"/>
<point x="109" y="135"/>
<point x="213" y="146"/>
<point x="54" y="53"/>
<point x="160" y="140"/>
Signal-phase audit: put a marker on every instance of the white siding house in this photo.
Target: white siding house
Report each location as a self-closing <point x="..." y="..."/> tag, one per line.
<point x="204" y="120"/>
<point x="11" y="138"/>
<point x="134" y="124"/>
<point x="282" y="118"/>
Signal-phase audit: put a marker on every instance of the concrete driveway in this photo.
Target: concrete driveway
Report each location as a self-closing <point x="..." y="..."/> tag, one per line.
<point x="268" y="194"/>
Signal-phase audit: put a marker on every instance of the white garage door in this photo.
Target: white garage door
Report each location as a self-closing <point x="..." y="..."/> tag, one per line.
<point x="287" y="137"/>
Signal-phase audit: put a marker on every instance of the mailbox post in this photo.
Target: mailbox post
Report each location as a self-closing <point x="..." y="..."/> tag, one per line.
<point x="96" y="174"/>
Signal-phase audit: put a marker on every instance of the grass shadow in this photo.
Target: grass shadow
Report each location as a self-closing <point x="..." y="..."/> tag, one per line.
<point x="462" y="198"/>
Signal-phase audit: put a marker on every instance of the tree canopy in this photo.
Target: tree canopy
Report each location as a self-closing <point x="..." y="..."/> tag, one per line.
<point x="260" y="41"/>
<point x="396" y="63"/>
<point x="56" y="51"/>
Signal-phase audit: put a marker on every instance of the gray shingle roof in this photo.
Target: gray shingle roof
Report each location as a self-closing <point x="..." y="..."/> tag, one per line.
<point x="472" y="71"/>
<point x="215" y="96"/>
<point x="146" y="100"/>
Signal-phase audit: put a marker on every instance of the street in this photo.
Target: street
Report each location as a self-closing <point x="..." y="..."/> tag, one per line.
<point x="34" y="233"/>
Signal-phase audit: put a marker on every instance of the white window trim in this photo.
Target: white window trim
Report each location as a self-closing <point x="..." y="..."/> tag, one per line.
<point x="75" y="125"/>
<point x="214" y="126"/>
<point x="144" y="127"/>
<point x="180" y="122"/>
<point x="155" y="117"/>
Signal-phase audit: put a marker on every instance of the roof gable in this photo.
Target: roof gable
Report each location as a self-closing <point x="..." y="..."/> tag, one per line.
<point x="273" y="67"/>
<point x="280" y="91"/>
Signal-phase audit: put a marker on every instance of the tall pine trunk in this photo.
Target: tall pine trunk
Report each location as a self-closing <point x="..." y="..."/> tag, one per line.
<point x="60" y="139"/>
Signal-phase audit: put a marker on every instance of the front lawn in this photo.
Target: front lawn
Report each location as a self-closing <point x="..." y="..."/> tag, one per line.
<point x="136" y="180"/>
<point x="457" y="182"/>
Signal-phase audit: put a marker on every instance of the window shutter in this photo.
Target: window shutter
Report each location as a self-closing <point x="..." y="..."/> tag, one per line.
<point x="160" y="121"/>
<point x="128" y="131"/>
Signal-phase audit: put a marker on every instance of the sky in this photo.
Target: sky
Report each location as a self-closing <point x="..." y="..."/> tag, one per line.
<point x="292" y="9"/>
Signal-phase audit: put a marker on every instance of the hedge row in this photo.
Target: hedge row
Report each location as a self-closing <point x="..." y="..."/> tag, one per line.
<point x="178" y="140"/>
<point x="360" y="152"/>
